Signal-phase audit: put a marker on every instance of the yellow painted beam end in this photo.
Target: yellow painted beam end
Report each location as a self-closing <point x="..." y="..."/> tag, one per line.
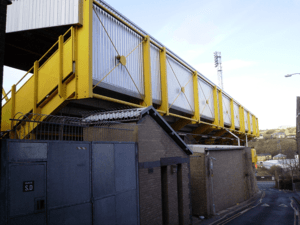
<point x="196" y="115"/>
<point x="164" y="82"/>
<point x="147" y="72"/>
<point x="215" y="97"/>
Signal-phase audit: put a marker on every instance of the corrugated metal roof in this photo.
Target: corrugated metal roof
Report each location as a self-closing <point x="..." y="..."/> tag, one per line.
<point x="124" y="114"/>
<point x="34" y="14"/>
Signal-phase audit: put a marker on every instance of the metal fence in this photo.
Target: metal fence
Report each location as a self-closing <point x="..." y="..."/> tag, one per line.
<point x="48" y="127"/>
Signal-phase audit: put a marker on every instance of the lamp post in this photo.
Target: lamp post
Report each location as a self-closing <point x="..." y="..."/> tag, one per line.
<point x="289" y="75"/>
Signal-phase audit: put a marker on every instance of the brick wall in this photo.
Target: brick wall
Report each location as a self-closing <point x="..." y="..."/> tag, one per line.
<point x="171" y="186"/>
<point x="233" y="180"/>
<point x="199" y="184"/>
<point x="154" y="143"/>
<point x="151" y="212"/>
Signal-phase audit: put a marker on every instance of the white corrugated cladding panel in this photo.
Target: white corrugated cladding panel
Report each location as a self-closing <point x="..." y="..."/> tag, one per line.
<point x="34" y="14"/>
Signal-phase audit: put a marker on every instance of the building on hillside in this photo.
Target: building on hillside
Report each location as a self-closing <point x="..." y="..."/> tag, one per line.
<point x="278" y="135"/>
<point x="260" y="137"/>
<point x="221" y="177"/>
<point x="163" y="165"/>
<point x="264" y="157"/>
<point x="279" y="156"/>
<point x="291" y="136"/>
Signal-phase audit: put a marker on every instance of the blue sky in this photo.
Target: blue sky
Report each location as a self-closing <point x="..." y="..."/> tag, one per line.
<point x="259" y="42"/>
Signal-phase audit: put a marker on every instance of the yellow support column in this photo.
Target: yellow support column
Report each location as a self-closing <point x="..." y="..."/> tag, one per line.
<point x="215" y="96"/>
<point x="242" y="119"/>
<point x="35" y="86"/>
<point x="164" y="82"/>
<point x="13" y="102"/>
<point x="85" y="52"/>
<point x="196" y="115"/>
<point x="257" y="128"/>
<point x="74" y="58"/>
<point x="60" y="65"/>
<point x="249" y="124"/>
<point x="147" y="72"/>
<point x="13" y="109"/>
<point x="221" y="124"/>
<point x="254" y="125"/>
<point x="232" y="115"/>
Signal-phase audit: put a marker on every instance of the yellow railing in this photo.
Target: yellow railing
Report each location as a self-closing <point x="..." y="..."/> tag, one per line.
<point x="51" y="73"/>
<point x="165" y="107"/>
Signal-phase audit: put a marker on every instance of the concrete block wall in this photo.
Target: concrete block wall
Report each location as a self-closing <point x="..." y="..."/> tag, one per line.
<point x="168" y="188"/>
<point x="150" y="183"/>
<point x="231" y="181"/>
<point x="199" y="184"/>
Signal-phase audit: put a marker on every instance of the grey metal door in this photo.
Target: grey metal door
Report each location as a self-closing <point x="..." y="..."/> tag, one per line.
<point x="27" y="193"/>
<point x="114" y="182"/>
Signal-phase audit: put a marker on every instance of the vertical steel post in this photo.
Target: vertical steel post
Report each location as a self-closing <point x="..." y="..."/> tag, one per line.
<point x="164" y="82"/>
<point x="196" y="115"/>
<point x="74" y="58"/>
<point x="35" y="86"/>
<point x="242" y="119"/>
<point x="215" y="96"/>
<point x="232" y="115"/>
<point x="249" y="124"/>
<point x="84" y="41"/>
<point x="221" y="124"/>
<point x="60" y="65"/>
<point x="254" y="125"/>
<point x="147" y="72"/>
<point x="13" y="110"/>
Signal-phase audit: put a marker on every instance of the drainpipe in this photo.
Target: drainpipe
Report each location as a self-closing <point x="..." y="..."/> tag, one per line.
<point x="234" y="136"/>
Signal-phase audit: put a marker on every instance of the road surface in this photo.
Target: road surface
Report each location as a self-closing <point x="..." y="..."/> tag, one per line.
<point x="275" y="207"/>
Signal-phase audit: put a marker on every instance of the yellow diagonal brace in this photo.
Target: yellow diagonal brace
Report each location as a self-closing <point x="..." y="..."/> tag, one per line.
<point x="60" y="65"/>
<point x="164" y="82"/>
<point x="215" y="96"/>
<point x="133" y="82"/>
<point x="147" y="72"/>
<point x="105" y="30"/>
<point x="4" y="94"/>
<point x="35" y="86"/>
<point x="196" y="115"/>
<point x="207" y="99"/>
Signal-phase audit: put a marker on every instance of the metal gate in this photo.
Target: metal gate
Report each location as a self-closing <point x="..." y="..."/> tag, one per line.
<point x="59" y="182"/>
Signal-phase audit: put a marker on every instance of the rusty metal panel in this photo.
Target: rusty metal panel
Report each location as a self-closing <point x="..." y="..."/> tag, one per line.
<point x="111" y="39"/>
<point x="206" y="100"/>
<point x="33" y="14"/>
<point x="180" y="77"/>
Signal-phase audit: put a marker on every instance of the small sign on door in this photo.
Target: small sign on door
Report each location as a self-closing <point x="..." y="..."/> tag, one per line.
<point x="28" y="186"/>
